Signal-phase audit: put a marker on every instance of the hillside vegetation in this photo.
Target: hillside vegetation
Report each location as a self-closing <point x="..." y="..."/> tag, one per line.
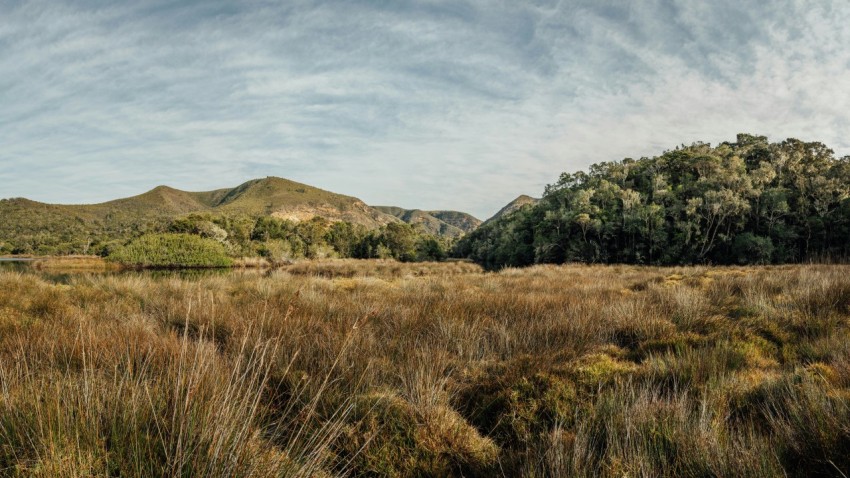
<point x="450" y="224"/>
<point x="286" y="199"/>
<point x="513" y="206"/>
<point x="377" y="368"/>
<point x="745" y="202"/>
<point x="272" y="218"/>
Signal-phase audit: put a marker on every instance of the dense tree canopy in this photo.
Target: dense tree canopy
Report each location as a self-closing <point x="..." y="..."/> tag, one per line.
<point x="749" y="201"/>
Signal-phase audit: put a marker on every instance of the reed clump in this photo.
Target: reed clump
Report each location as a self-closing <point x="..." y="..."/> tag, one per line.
<point x="377" y="368"/>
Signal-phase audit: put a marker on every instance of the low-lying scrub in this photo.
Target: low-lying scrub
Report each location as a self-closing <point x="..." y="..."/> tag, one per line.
<point x="361" y="368"/>
<point x="172" y="250"/>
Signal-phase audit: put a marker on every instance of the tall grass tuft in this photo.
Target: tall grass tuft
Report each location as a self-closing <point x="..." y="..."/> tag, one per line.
<point x="377" y="368"/>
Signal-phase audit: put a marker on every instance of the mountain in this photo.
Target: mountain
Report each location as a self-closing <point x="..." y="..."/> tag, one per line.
<point x="441" y="223"/>
<point x="512" y="206"/>
<point x="287" y="199"/>
<point x="270" y="196"/>
<point x="461" y="220"/>
<point x="158" y="202"/>
<point x="26" y="224"/>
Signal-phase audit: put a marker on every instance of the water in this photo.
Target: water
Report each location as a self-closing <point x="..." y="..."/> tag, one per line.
<point x="60" y="276"/>
<point x="14" y="264"/>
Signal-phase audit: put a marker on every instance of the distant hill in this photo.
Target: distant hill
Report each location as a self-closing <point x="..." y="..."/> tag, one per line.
<point x="441" y="223"/>
<point x="27" y="224"/>
<point x="30" y="222"/>
<point x="461" y="220"/>
<point x="158" y="202"/>
<point x="299" y="202"/>
<point x="512" y="206"/>
<point x="270" y="196"/>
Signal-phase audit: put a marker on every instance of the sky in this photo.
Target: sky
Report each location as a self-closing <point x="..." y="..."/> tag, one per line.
<point x="457" y="104"/>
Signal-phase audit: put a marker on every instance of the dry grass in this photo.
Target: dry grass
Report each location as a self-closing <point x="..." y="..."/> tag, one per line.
<point x="74" y="264"/>
<point x="371" y="368"/>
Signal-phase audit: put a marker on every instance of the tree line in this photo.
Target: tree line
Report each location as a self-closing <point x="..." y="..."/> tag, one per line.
<point x="282" y="239"/>
<point x="238" y="235"/>
<point x="743" y="202"/>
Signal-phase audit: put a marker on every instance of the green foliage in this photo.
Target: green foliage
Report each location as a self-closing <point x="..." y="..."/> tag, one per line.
<point x="401" y="242"/>
<point x="317" y="238"/>
<point x="452" y="224"/>
<point x="172" y="250"/>
<point x="748" y="202"/>
<point x="752" y="249"/>
<point x="238" y="236"/>
<point x="400" y="239"/>
<point x="244" y="220"/>
<point x="430" y="248"/>
<point x="201" y="225"/>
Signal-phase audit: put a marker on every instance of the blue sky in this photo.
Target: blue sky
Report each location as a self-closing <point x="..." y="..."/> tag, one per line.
<point x="421" y="104"/>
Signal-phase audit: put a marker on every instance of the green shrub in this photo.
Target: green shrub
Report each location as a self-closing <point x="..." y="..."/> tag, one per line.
<point x="172" y="250"/>
<point x="749" y="248"/>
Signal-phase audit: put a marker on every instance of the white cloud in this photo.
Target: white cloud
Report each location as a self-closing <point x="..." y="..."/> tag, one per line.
<point x="431" y="104"/>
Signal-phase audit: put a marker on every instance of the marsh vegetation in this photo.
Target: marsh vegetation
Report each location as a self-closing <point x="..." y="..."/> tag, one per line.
<point x="378" y="368"/>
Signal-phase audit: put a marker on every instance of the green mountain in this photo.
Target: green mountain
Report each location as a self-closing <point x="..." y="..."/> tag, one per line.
<point x="270" y="196"/>
<point x="27" y="224"/>
<point x="461" y="220"/>
<point x="33" y="227"/>
<point x="439" y="223"/>
<point x="515" y="205"/>
<point x="287" y="199"/>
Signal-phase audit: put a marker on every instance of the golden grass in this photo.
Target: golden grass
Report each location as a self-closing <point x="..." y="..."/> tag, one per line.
<point x="74" y="264"/>
<point x="373" y="368"/>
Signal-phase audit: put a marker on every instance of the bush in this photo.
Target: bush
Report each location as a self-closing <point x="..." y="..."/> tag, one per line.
<point x="752" y="249"/>
<point x="172" y="250"/>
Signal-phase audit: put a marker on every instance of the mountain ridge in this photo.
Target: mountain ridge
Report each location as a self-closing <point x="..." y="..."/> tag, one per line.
<point x="270" y="196"/>
<point x="441" y="223"/>
<point x="27" y="223"/>
<point x="520" y="202"/>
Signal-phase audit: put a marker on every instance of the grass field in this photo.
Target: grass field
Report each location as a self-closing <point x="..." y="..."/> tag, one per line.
<point x="366" y="368"/>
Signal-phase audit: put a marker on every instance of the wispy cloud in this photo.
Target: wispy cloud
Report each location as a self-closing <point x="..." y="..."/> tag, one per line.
<point x="430" y="104"/>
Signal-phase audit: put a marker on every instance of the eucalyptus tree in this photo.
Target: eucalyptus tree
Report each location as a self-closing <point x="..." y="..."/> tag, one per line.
<point x="744" y="201"/>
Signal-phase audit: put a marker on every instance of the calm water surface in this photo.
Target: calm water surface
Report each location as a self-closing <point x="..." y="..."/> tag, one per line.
<point x="65" y="276"/>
